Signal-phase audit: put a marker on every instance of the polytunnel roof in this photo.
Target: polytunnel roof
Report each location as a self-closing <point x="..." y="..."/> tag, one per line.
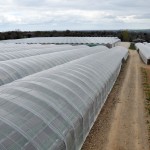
<point x="33" y="52"/>
<point x="147" y="44"/>
<point x="56" y="108"/>
<point x="21" y="47"/>
<point x="68" y="40"/>
<point x="143" y="49"/>
<point x="11" y="70"/>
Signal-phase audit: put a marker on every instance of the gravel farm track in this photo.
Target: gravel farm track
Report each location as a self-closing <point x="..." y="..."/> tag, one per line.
<point x="121" y="125"/>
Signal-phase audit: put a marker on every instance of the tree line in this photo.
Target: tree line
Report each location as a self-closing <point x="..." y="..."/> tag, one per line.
<point x="124" y="35"/>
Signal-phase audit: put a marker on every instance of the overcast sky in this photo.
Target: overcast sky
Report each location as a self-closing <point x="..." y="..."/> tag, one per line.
<point x="74" y="14"/>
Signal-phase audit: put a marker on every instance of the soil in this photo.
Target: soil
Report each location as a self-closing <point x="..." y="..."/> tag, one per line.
<point x="121" y="125"/>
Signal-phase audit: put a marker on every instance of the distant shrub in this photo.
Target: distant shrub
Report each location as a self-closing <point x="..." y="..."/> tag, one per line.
<point x="132" y="46"/>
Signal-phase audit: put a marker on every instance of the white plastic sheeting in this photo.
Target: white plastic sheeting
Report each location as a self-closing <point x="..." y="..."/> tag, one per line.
<point x="33" y="52"/>
<point x="55" y="109"/>
<point x="144" y="52"/>
<point x="18" y="68"/>
<point x="125" y="54"/>
<point x="68" y="40"/>
<point x="4" y="48"/>
<point x="147" y="44"/>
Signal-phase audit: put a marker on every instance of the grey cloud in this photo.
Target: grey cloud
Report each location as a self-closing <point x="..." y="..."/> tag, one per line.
<point x="31" y="3"/>
<point x="143" y="16"/>
<point x="74" y="14"/>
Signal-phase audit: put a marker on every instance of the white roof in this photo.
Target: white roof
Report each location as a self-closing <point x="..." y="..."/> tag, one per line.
<point x="67" y="40"/>
<point x="144" y="51"/>
<point x="14" y="69"/>
<point x="56" y="108"/>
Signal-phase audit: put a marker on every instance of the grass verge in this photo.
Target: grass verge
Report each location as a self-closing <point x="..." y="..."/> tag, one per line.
<point x="146" y="88"/>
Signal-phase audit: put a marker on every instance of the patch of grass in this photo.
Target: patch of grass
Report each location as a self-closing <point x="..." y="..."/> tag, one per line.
<point x="146" y="89"/>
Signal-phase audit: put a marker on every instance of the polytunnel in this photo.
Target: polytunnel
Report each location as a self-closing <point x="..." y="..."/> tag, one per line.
<point x="32" y="52"/>
<point x="125" y="55"/>
<point x="4" y="48"/>
<point x="18" y="68"/>
<point x="68" y="40"/>
<point x="147" y="44"/>
<point x="144" y="52"/>
<point x="56" y="108"/>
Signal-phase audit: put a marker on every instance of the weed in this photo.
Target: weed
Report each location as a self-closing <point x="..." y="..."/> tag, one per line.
<point x="146" y="89"/>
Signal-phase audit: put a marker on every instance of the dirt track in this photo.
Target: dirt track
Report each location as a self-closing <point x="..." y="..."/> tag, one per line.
<point x="121" y="125"/>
